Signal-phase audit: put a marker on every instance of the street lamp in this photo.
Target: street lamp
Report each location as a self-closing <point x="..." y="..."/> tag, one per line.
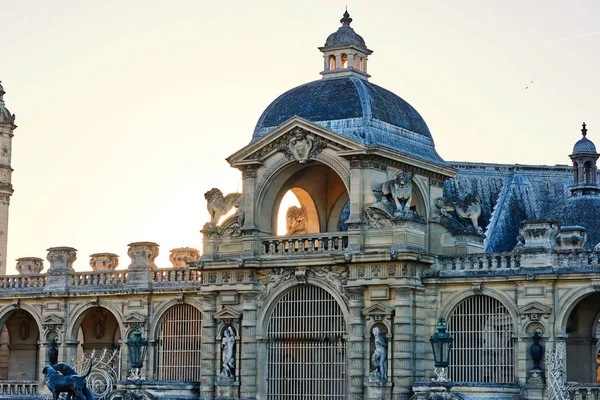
<point x="441" y="343"/>
<point x="136" y="346"/>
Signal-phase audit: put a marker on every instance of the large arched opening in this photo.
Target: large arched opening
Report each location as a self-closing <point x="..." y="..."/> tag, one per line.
<point x="98" y="330"/>
<point x="20" y="350"/>
<point x="306" y="345"/>
<point x="484" y="336"/>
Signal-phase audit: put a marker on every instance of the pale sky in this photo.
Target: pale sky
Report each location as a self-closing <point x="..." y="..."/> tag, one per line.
<point x="127" y="109"/>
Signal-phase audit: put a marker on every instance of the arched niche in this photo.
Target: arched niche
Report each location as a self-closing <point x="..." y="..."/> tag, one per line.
<point x="98" y="330"/>
<point x="319" y="189"/>
<point x="20" y="335"/>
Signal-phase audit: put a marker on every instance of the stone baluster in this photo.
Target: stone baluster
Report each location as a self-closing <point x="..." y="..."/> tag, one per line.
<point x="141" y="269"/>
<point x="182" y="256"/>
<point x="104" y="261"/>
<point x="208" y="363"/>
<point x="29" y="265"/>
<point x="355" y="346"/>
<point x="60" y="273"/>
<point x="249" y="355"/>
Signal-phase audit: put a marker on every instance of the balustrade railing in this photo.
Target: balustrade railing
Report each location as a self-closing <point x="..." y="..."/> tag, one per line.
<point x="478" y="262"/>
<point x="104" y="278"/>
<point x="305" y="244"/>
<point x="583" y="391"/>
<point x="22" y="281"/>
<point x="578" y="258"/>
<point x="177" y="275"/>
<point x="14" y="387"/>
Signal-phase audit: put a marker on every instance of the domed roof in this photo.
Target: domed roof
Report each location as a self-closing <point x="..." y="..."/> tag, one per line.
<point x="345" y="35"/>
<point x="5" y="116"/>
<point x="354" y="108"/>
<point x="584" y="145"/>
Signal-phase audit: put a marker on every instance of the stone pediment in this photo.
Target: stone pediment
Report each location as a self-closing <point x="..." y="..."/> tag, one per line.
<point x="534" y="311"/>
<point x="53" y="320"/>
<point x="378" y="311"/>
<point x="134" y="318"/>
<point x="296" y="138"/>
<point x="227" y="313"/>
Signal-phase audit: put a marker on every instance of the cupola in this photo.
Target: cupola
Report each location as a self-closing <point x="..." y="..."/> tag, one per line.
<point x="584" y="159"/>
<point x="5" y="116"/>
<point x="345" y="52"/>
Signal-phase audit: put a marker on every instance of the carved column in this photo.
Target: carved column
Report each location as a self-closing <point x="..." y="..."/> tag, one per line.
<point x="61" y="268"/>
<point x="408" y="357"/>
<point x="249" y="360"/>
<point x="355" y="349"/>
<point x="208" y="370"/>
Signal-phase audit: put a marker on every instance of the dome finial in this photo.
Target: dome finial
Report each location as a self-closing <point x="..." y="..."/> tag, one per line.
<point x="2" y="92"/>
<point x="346" y="20"/>
<point x="583" y="129"/>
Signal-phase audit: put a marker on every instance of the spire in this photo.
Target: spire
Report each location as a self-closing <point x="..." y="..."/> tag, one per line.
<point x="583" y="129"/>
<point x="346" y="20"/>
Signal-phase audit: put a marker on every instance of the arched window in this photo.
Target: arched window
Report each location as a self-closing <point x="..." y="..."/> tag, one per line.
<point x="306" y="356"/>
<point x="179" y="339"/>
<point x="332" y="62"/>
<point x="344" y="59"/>
<point x="588" y="172"/>
<point x="483" y="349"/>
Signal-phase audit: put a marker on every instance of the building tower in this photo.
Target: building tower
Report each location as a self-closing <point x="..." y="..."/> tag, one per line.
<point x="7" y="126"/>
<point x="584" y="159"/>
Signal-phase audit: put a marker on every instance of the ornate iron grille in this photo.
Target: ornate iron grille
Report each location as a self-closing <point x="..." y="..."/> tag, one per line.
<point x="483" y="349"/>
<point x="179" y="341"/>
<point x="306" y="348"/>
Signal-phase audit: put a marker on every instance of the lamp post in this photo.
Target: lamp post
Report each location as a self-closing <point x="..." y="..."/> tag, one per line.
<point x="136" y="346"/>
<point x="441" y="343"/>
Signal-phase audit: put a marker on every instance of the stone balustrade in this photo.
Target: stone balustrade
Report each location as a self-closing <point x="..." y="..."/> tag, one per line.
<point x="103" y="278"/>
<point x="478" y="262"/>
<point x="305" y="244"/>
<point x="177" y="275"/>
<point x="583" y="391"/>
<point x="22" y="281"/>
<point x="15" y="388"/>
<point x="588" y="259"/>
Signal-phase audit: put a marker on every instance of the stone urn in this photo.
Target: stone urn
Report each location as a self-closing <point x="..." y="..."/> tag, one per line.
<point x="30" y="265"/>
<point x="571" y="238"/>
<point x="61" y="259"/>
<point x="104" y="261"/>
<point x="142" y="255"/>
<point x="539" y="234"/>
<point x="182" y="256"/>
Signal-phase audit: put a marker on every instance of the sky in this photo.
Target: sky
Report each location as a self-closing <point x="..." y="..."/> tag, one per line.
<point x="126" y="110"/>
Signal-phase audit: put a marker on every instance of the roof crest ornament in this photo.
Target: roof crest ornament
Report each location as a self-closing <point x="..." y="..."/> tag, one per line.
<point x="346" y="20"/>
<point x="583" y="129"/>
<point x="2" y="92"/>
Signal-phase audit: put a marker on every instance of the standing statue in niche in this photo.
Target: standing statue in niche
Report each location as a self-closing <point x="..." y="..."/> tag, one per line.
<point x="379" y="357"/>
<point x="228" y="355"/>
<point x="53" y="351"/>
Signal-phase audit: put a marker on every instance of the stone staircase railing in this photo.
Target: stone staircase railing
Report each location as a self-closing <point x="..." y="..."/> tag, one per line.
<point x="304" y="244"/>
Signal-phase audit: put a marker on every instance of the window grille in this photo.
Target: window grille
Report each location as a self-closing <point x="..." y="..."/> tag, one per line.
<point x="179" y="339"/>
<point x="306" y="348"/>
<point x="483" y="349"/>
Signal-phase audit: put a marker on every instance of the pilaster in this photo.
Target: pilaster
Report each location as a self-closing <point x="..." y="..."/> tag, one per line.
<point x="208" y="370"/>
<point x="356" y="347"/>
<point x="250" y="364"/>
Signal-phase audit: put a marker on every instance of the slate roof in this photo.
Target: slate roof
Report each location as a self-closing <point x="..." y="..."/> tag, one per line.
<point x="510" y="194"/>
<point x="357" y="109"/>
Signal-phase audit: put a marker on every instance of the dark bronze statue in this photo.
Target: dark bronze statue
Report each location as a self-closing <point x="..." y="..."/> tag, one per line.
<point x="61" y="378"/>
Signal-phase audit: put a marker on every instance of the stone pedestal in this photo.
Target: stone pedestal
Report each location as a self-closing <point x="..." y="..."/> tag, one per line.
<point x="59" y="275"/>
<point x="142" y="265"/>
<point x="227" y="390"/>
<point x="378" y="391"/>
<point x="466" y="391"/>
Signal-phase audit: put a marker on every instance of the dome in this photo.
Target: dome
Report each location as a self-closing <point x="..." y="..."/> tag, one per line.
<point x="357" y="109"/>
<point x="345" y="35"/>
<point x="5" y="116"/>
<point x="584" y="146"/>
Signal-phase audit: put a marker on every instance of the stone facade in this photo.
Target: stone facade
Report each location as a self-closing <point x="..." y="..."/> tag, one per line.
<point x="391" y="241"/>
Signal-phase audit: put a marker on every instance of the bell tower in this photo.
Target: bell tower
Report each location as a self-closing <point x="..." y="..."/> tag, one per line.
<point x="584" y="159"/>
<point x="7" y="127"/>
